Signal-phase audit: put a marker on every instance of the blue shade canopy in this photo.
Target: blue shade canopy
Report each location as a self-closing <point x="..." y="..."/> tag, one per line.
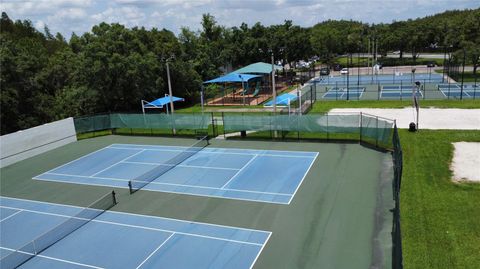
<point x="282" y="100"/>
<point x="162" y="101"/>
<point x="232" y="77"/>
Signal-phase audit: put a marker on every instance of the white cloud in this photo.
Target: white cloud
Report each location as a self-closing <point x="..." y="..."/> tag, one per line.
<point x="128" y="15"/>
<point x="66" y="16"/>
<point x="39" y="25"/>
<point x="69" y="14"/>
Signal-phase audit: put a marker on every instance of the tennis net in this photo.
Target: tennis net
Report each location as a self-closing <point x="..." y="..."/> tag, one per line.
<point x="144" y="179"/>
<point x="52" y="236"/>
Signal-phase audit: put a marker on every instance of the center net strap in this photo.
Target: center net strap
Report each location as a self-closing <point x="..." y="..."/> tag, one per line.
<point x="52" y="236"/>
<point x="144" y="179"/>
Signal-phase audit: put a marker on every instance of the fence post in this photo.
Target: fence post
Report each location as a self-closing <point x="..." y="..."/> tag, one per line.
<point x="328" y="135"/>
<point x="401" y="91"/>
<point x="271" y="134"/>
<point x="94" y="126"/>
<point x="361" y="126"/>
<point x="376" y="133"/>
<point x="223" y="121"/>
<point x="378" y="91"/>
<point x="213" y="124"/>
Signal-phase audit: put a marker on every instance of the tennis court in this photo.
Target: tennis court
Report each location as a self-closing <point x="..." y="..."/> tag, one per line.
<point x="344" y="93"/>
<point x="399" y="91"/>
<point x="253" y="175"/>
<point x="339" y="216"/>
<point x="121" y="240"/>
<point x="455" y="90"/>
<point x="379" y="79"/>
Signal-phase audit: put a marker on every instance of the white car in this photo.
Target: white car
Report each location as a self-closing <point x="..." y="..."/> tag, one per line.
<point x="344" y="71"/>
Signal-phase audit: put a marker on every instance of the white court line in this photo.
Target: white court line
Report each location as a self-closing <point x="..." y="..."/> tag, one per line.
<point x="151" y="254"/>
<point x="227" y="153"/>
<point x="84" y="156"/>
<point x="175" y="192"/>
<point x="305" y="175"/>
<point x="239" y="171"/>
<point x="446" y="91"/>
<point x="222" y="149"/>
<point x="11" y="215"/>
<point x="124" y="159"/>
<point x="52" y="258"/>
<point x="183" y="165"/>
<point x="157" y="183"/>
<point x="261" y="249"/>
<point x="182" y="193"/>
<point x="137" y="226"/>
<point x="136" y="215"/>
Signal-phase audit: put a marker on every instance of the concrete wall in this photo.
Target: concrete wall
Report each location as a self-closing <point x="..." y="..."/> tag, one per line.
<point x="27" y="143"/>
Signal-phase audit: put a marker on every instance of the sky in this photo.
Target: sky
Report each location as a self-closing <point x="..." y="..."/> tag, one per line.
<point x="79" y="16"/>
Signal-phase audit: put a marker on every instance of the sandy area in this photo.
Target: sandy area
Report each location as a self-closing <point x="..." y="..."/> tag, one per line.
<point x="429" y="118"/>
<point x="466" y="161"/>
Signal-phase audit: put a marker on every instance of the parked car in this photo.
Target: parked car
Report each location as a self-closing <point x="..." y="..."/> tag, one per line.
<point x="324" y="71"/>
<point x="396" y="52"/>
<point x="431" y="64"/>
<point x="344" y="71"/>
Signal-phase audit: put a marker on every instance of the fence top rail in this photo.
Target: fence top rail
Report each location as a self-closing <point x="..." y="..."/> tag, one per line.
<point x="378" y="117"/>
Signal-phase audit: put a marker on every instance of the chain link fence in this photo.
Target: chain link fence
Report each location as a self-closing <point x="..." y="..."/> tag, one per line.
<point x="369" y="130"/>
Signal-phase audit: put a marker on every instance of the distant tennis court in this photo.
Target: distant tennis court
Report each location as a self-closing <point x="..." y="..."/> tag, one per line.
<point x="253" y="175"/>
<point x="344" y="93"/>
<point x="123" y="240"/>
<point x="399" y="91"/>
<point x="455" y="90"/>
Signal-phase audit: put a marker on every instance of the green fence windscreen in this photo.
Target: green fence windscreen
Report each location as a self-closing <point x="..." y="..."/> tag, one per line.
<point x="369" y="127"/>
<point x="161" y="121"/>
<point x="140" y="121"/>
<point x="92" y="123"/>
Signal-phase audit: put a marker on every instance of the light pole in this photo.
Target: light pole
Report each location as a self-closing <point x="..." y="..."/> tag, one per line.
<point x="463" y="72"/>
<point x="170" y="93"/>
<point x="274" y="90"/>
<point x="169" y="84"/>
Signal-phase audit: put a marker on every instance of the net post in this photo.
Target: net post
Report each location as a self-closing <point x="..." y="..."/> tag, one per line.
<point x="130" y="186"/>
<point x="114" y="197"/>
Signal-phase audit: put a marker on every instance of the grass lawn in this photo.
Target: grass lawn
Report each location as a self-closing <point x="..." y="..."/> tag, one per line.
<point x="324" y="106"/>
<point x="440" y="219"/>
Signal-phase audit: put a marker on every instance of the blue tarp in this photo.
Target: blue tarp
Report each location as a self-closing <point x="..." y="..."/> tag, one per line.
<point x="282" y="100"/>
<point x="162" y="101"/>
<point x="232" y="77"/>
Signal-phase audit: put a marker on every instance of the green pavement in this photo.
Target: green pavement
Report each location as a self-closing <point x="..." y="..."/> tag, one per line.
<point x="339" y="218"/>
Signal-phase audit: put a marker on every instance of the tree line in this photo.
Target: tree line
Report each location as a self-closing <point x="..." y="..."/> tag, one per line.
<point x="45" y="77"/>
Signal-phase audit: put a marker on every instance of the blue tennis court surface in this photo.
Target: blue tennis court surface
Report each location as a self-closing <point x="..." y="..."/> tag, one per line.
<point x="253" y="175"/>
<point x="379" y="79"/>
<point x="398" y="91"/>
<point x="342" y="93"/>
<point x="455" y="90"/>
<point x="122" y="240"/>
